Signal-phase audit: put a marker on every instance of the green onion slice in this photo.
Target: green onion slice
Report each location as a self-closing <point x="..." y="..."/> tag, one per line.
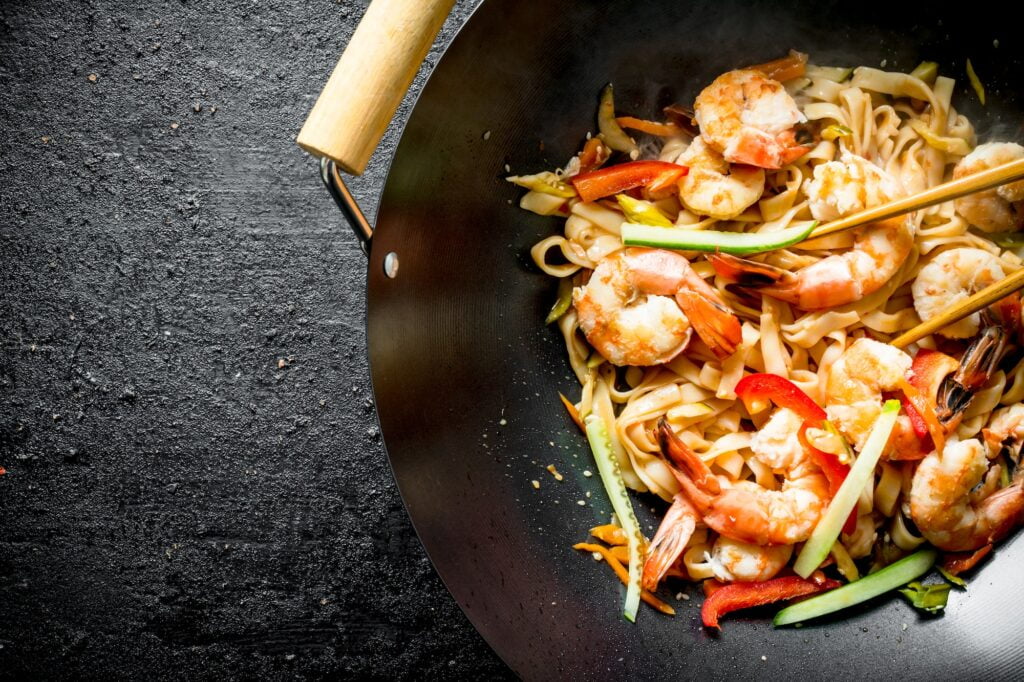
<point x="736" y="243"/>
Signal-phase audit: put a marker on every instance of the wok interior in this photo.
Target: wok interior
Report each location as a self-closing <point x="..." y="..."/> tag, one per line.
<point x="466" y="376"/>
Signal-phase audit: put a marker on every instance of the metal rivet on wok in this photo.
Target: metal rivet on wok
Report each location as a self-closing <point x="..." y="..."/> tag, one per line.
<point x="391" y="264"/>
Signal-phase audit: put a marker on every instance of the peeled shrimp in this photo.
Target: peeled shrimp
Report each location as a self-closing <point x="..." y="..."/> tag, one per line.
<point x="853" y="391"/>
<point x="947" y="509"/>
<point x="628" y="314"/>
<point x="714" y="189"/>
<point x="878" y="252"/>
<point x="841" y="188"/>
<point x="734" y="561"/>
<point x="743" y="510"/>
<point x="749" y="119"/>
<point x="994" y="210"/>
<point x="669" y="542"/>
<point x="951" y="277"/>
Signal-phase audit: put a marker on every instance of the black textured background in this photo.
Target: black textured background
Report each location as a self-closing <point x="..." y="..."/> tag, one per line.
<point x="195" y="480"/>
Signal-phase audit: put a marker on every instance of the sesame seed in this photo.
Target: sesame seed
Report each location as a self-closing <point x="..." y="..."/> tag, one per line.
<point x="554" y="472"/>
<point x="487" y="134"/>
<point x="588" y="473"/>
<point x="581" y="503"/>
<point x="503" y="422"/>
<point x="535" y="484"/>
<point x="597" y="556"/>
<point x="765" y="658"/>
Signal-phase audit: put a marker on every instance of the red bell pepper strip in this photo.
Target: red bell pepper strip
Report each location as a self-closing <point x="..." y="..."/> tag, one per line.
<point x="955" y="564"/>
<point x="736" y="596"/>
<point x="654" y="175"/>
<point x="780" y="391"/>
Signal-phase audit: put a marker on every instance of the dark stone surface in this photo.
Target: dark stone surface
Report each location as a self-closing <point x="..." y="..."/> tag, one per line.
<point x="195" y="481"/>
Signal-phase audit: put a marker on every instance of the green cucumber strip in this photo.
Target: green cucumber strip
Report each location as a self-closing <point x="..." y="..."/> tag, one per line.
<point x="831" y="522"/>
<point x="735" y="243"/>
<point x="870" y="586"/>
<point x="608" y="468"/>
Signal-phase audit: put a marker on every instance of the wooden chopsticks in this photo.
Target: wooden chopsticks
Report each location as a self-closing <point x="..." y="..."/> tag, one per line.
<point x="980" y="300"/>
<point x="978" y="182"/>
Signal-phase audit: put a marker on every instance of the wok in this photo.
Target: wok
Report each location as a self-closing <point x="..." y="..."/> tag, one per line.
<point x="466" y="376"/>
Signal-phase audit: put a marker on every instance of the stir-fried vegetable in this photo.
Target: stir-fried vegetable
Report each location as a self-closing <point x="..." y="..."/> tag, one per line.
<point x="655" y="175"/>
<point x="608" y="467"/>
<point x="954" y="579"/>
<point x="593" y="155"/>
<point x="1008" y="240"/>
<point x="950" y="145"/>
<point x="930" y="598"/>
<point x="640" y="211"/>
<point x="921" y="411"/>
<point x="612" y="134"/>
<point x="735" y="243"/>
<point x="650" y="127"/>
<point x="960" y="562"/>
<point x="574" y="414"/>
<point x="835" y="131"/>
<point x="972" y="76"/>
<point x="862" y="471"/>
<point x="836" y="74"/>
<point x="868" y="587"/>
<point x="787" y="68"/>
<point x="736" y="596"/>
<point x="624" y="576"/>
<point x="926" y="71"/>
<point x="546" y="183"/>
<point x="562" y="302"/>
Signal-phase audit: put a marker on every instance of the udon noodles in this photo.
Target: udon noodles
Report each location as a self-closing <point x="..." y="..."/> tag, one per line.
<point x="897" y="126"/>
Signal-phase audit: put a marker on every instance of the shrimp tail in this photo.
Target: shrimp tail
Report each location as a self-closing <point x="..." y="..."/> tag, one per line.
<point x="713" y="322"/>
<point x="669" y="542"/>
<point x="748" y="274"/>
<point x="979" y="362"/>
<point x="690" y="470"/>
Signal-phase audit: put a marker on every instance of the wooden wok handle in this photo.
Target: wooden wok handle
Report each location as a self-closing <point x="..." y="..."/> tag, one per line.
<point x="372" y="76"/>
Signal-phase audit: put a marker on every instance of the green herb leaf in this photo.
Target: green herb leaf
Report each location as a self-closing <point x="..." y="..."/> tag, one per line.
<point x="930" y="598"/>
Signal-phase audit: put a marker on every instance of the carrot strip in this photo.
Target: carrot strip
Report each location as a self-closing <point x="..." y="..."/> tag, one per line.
<point x="649" y="127"/>
<point x="609" y="533"/>
<point x="623" y="575"/>
<point x="593" y="155"/>
<point x="787" y="68"/>
<point x="574" y="414"/>
<point x="926" y="411"/>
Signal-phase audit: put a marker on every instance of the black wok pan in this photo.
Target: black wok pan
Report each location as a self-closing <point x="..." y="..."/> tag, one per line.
<point x="466" y="376"/>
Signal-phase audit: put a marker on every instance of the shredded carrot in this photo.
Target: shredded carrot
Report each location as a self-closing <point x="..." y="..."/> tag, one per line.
<point x="2" y="471"/>
<point x="926" y="409"/>
<point x="573" y="412"/>
<point x="621" y="553"/>
<point x="787" y="68"/>
<point x="650" y="127"/>
<point x="610" y="534"/>
<point x="623" y="575"/>
<point x="593" y="155"/>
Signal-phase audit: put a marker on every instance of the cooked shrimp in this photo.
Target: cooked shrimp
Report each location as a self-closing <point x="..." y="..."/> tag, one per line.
<point x="669" y="542"/>
<point x="743" y="510"/>
<point x="714" y="189"/>
<point x="951" y="277"/>
<point x="994" y="210"/>
<point x="853" y="392"/>
<point x="734" y="561"/>
<point x="949" y="512"/>
<point x="878" y="252"/>
<point x="749" y="119"/>
<point x="841" y="188"/>
<point x="1005" y="431"/>
<point x="628" y="314"/>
